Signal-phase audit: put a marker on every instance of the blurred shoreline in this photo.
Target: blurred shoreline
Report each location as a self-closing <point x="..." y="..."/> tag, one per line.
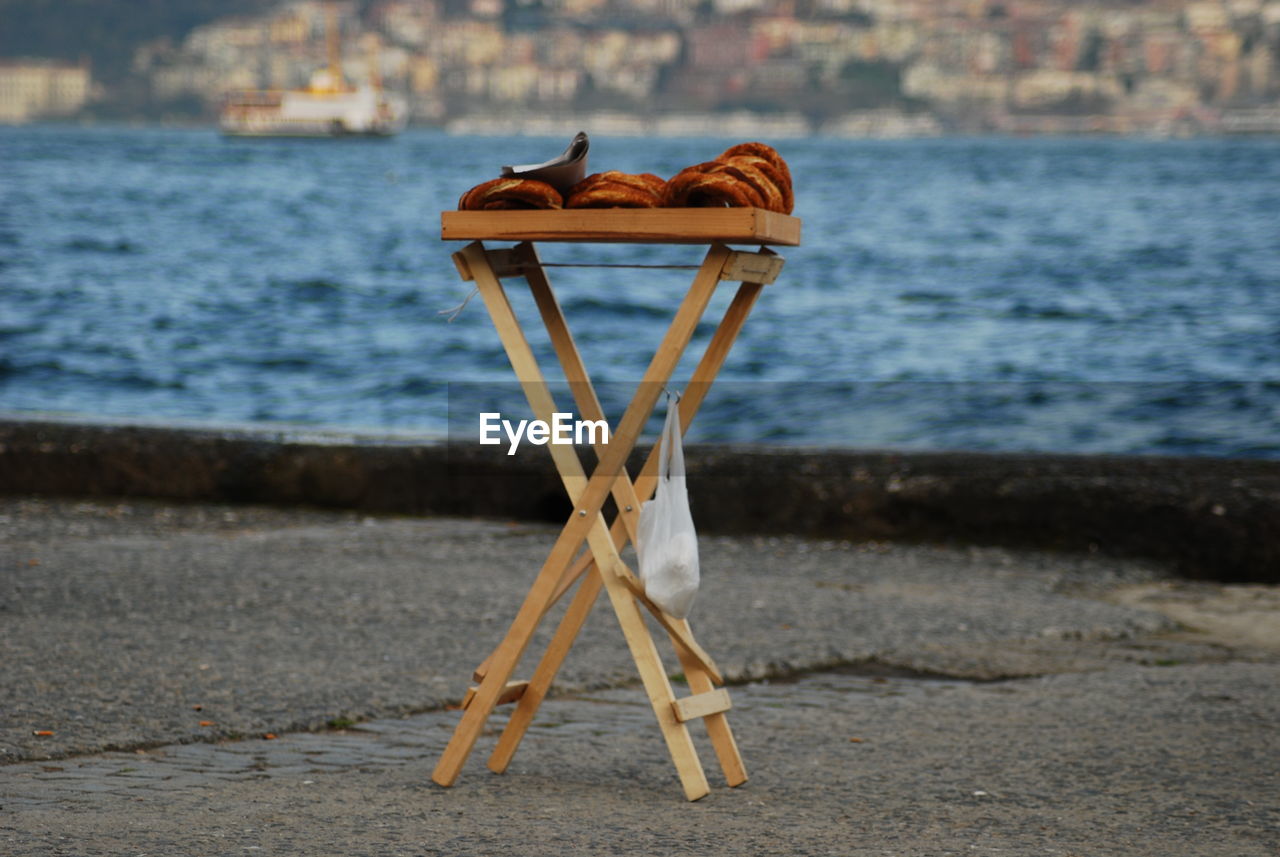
<point x="880" y="124"/>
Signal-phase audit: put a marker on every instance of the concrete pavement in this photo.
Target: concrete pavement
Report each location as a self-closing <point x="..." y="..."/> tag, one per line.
<point x="888" y="699"/>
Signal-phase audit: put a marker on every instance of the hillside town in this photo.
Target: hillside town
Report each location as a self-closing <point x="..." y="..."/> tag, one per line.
<point x="879" y="68"/>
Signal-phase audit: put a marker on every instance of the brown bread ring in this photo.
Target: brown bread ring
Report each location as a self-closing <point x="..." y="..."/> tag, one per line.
<point x="767" y="195"/>
<point x="587" y="183"/>
<point x="614" y="189"/>
<point x="700" y="187"/>
<point x="641" y="182"/>
<point x="657" y="184"/>
<point x="613" y="195"/>
<point x="510" y="193"/>
<point x="771" y="173"/>
<point x="760" y="150"/>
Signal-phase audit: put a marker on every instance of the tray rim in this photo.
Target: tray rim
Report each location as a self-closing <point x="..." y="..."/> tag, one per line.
<point x="625" y="226"/>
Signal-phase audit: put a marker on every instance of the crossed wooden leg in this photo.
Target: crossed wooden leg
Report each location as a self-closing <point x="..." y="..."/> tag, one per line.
<point x="601" y="563"/>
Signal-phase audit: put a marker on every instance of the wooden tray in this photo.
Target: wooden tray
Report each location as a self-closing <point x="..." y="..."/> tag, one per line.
<point x="625" y="226"/>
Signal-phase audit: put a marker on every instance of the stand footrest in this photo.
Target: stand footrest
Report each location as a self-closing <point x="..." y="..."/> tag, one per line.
<point x="702" y="704"/>
<point x="510" y="693"/>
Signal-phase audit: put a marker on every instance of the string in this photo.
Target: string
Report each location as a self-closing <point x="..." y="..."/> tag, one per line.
<point x="609" y="265"/>
<point x="454" y="312"/>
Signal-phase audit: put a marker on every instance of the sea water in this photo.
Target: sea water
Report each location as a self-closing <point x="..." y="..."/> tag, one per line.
<point x="1090" y="295"/>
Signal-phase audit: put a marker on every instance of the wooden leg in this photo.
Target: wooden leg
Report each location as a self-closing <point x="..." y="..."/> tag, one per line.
<point x="722" y="740"/>
<point x="567" y="579"/>
<point x="505" y="658"/>
<point x="501" y="667"/>
<point x="718" y="730"/>
<point x="570" y="624"/>
<point x="658" y="689"/>
<point x="575" y="372"/>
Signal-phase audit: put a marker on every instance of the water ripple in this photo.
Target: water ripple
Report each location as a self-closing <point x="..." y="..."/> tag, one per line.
<point x="1073" y="295"/>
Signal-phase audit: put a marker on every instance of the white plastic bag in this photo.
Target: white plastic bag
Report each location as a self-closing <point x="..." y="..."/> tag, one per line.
<point x="666" y="543"/>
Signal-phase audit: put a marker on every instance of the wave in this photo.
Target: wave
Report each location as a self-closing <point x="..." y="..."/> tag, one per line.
<point x="118" y="246"/>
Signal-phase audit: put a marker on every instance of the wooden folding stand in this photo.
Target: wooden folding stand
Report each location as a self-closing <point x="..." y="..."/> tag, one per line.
<point x="600" y="565"/>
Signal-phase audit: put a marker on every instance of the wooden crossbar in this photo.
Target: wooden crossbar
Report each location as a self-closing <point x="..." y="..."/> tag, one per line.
<point x="512" y="691"/>
<point x="702" y="705"/>
<point x="600" y="565"/>
<point x="502" y="263"/>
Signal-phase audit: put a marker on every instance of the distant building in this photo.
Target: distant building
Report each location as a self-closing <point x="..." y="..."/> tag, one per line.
<point x="1119" y="66"/>
<point x="42" y="89"/>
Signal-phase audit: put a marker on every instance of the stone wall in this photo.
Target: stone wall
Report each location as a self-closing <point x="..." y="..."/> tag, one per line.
<point x="1210" y="518"/>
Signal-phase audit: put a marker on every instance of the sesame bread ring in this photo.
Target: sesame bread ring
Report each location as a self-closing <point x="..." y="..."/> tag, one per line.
<point x="701" y="187"/>
<point x="760" y="150"/>
<point x="766" y="193"/>
<point x="608" y="195"/>
<point x="510" y="193"/>
<point x="657" y="184"/>
<point x="642" y="181"/>
<point x="786" y="200"/>
<point x="614" y="189"/>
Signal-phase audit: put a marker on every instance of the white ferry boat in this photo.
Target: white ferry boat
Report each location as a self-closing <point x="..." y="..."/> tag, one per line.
<point x="327" y="108"/>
